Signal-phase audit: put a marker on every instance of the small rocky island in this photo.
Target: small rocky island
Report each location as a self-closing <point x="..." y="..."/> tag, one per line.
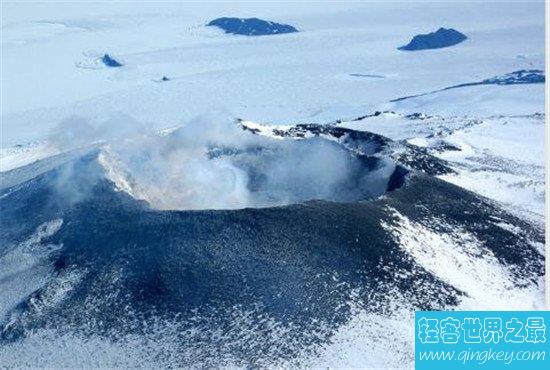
<point x="110" y="61"/>
<point x="442" y="38"/>
<point x="251" y="26"/>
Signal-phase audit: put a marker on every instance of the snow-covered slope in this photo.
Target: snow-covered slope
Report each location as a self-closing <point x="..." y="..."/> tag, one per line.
<point x="486" y="152"/>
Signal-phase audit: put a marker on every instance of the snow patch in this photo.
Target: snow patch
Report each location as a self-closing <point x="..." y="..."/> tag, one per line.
<point x="24" y="267"/>
<point x="460" y="260"/>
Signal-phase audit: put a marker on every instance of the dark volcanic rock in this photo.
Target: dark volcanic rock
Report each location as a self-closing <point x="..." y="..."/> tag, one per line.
<point x="368" y="143"/>
<point x="442" y="38"/>
<point x="520" y="77"/>
<point x="110" y="62"/>
<point x="523" y="76"/>
<point x="251" y="26"/>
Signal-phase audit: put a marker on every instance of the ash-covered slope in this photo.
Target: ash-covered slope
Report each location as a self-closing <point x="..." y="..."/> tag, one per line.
<point x="252" y="287"/>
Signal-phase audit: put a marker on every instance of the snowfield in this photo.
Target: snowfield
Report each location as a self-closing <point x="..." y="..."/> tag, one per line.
<point x="303" y="76"/>
<point x="285" y="200"/>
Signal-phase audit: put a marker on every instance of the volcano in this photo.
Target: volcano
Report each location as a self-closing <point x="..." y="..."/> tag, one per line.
<point x="263" y="283"/>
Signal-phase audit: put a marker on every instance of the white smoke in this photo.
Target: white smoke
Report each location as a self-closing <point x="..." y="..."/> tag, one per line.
<point x="212" y="163"/>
